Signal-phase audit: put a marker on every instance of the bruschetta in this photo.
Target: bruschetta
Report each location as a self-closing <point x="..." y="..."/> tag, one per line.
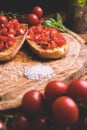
<point x="12" y="37"/>
<point x="47" y="42"/>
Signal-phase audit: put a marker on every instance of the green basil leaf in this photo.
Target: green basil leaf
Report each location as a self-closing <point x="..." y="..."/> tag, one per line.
<point x="55" y="22"/>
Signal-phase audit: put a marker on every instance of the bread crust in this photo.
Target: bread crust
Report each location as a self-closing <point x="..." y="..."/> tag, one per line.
<point x="8" y="54"/>
<point x="54" y="53"/>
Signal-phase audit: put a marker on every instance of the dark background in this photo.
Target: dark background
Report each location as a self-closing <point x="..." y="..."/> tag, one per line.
<point x="25" y="6"/>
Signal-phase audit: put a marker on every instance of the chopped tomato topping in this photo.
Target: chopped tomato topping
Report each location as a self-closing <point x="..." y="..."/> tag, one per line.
<point x="47" y="38"/>
<point x="9" y="31"/>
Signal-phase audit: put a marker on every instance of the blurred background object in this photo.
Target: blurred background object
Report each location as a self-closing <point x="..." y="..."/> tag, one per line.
<point x="25" y="6"/>
<point x="77" y="16"/>
<point x="74" y="11"/>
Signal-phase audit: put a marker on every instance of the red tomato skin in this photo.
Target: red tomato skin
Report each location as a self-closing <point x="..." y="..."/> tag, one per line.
<point x="4" y="31"/>
<point x="77" y="89"/>
<point x="12" y="31"/>
<point x="65" y="111"/>
<point x="32" y="102"/>
<point x="3" y="19"/>
<point x="14" y="21"/>
<point x="38" y="11"/>
<point x="54" y="89"/>
<point x="10" y="35"/>
<point x="33" y="19"/>
<point x="21" y="123"/>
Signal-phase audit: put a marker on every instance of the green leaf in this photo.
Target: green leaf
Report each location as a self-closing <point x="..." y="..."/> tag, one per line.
<point x="59" y="18"/>
<point x="55" y="22"/>
<point x="80" y="2"/>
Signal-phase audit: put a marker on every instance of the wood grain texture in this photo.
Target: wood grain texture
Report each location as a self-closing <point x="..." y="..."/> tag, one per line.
<point x="13" y="84"/>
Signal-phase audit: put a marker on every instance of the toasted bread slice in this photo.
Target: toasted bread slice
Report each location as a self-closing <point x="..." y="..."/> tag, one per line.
<point x="8" y="54"/>
<point x="54" y="53"/>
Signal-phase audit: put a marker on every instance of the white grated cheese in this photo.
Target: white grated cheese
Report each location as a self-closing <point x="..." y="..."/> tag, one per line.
<point x="38" y="72"/>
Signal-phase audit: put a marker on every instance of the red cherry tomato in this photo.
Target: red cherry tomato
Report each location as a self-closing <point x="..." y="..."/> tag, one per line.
<point x="38" y="11"/>
<point x="54" y="89"/>
<point x="65" y="111"/>
<point x="21" y="123"/>
<point x="33" y="19"/>
<point x="3" y="19"/>
<point x="32" y="102"/>
<point x="77" y="89"/>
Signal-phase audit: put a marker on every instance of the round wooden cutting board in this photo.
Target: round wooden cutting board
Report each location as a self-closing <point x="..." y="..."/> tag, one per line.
<point x="13" y="83"/>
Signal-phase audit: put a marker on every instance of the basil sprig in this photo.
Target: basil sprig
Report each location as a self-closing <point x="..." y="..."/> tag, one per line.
<point x="55" y="22"/>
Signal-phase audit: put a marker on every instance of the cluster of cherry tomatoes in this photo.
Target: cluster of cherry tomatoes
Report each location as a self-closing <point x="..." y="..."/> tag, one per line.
<point x="59" y="107"/>
<point x="36" y="16"/>
<point x="9" y="29"/>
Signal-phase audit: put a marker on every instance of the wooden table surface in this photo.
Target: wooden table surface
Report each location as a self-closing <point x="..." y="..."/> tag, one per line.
<point x="84" y="75"/>
<point x="84" y="36"/>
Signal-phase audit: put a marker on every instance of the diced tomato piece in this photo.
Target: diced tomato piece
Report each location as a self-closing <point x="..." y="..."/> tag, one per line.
<point x="21" y="31"/>
<point x="53" y="44"/>
<point x="10" y="43"/>
<point x="10" y="35"/>
<point x="2" y="26"/>
<point x="11" y="39"/>
<point x="1" y="46"/>
<point x="31" y="34"/>
<point x="45" y="37"/>
<point x="12" y="31"/>
<point x="9" y="25"/>
<point x="53" y="32"/>
<point x="39" y="28"/>
<point x="59" y="39"/>
<point x="4" y="31"/>
<point x="7" y="45"/>
<point x="37" y="37"/>
<point x="3" y="38"/>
